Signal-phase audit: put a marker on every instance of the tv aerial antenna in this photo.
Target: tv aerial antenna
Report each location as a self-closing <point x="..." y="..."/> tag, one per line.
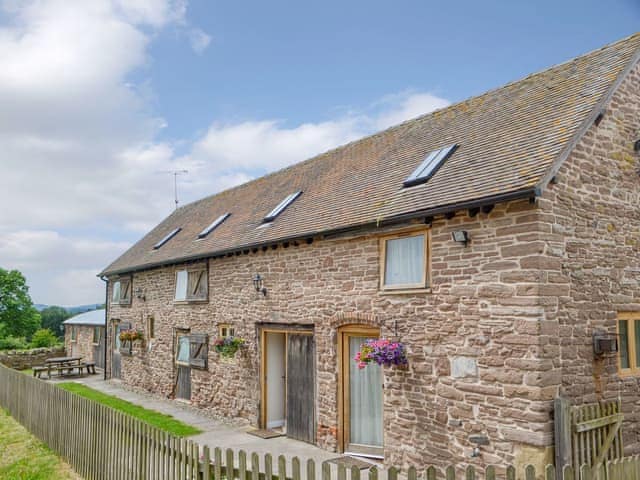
<point x="175" y="174"/>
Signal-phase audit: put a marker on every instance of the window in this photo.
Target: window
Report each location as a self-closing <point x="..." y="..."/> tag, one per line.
<point x="429" y="166"/>
<point x="96" y="335"/>
<point x="226" y="330"/>
<point x="281" y="206"/>
<point x="151" y="327"/>
<point x="213" y="225"/>
<point x="629" y="344"/>
<point x="121" y="294"/>
<point x="166" y="238"/>
<point x="403" y="263"/>
<point x="74" y="334"/>
<point x="193" y="350"/>
<point x="191" y="285"/>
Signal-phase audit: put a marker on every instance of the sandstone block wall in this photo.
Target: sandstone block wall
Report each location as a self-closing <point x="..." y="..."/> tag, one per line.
<point x="83" y="345"/>
<point x="593" y="217"/>
<point x="476" y="340"/>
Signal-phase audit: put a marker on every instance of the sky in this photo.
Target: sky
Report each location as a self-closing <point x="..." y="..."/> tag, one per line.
<point x="99" y="99"/>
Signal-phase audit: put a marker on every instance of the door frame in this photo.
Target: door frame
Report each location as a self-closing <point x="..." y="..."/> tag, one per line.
<point x="178" y="332"/>
<point x="287" y="330"/>
<point x="344" y="392"/>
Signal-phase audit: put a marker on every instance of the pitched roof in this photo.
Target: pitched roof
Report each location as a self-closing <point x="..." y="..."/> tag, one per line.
<point x="91" y="318"/>
<point x="508" y="142"/>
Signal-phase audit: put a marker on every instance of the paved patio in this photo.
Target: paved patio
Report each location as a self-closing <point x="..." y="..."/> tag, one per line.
<point x="216" y="433"/>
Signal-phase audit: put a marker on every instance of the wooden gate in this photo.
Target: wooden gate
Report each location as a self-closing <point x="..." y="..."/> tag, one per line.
<point x="594" y="435"/>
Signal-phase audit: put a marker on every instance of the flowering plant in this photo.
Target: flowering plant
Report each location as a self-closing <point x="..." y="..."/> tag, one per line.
<point x="382" y="352"/>
<point x="131" y="335"/>
<point x="228" y="346"/>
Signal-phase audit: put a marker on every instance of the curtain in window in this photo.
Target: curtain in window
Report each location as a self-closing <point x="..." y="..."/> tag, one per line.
<point x="181" y="285"/>
<point x="365" y="407"/>
<point x="183" y="349"/>
<point x="624" y="343"/>
<point x="404" y="261"/>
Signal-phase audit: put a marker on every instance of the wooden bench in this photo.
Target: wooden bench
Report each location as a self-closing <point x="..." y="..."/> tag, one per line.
<point x="91" y="367"/>
<point x="37" y="371"/>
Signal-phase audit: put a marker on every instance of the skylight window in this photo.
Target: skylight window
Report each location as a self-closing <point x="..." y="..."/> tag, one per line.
<point x="168" y="237"/>
<point x="429" y="166"/>
<point x="281" y="206"/>
<point x="213" y="225"/>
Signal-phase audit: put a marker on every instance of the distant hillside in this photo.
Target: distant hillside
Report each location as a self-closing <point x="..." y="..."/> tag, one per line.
<point x="73" y="310"/>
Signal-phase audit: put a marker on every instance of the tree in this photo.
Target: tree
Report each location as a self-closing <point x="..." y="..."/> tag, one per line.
<point x="43" y="338"/>
<point x="17" y="313"/>
<point x="52" y="318"/>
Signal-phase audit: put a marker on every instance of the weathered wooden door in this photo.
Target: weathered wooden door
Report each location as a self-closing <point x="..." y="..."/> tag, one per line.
<point x="183" y="371"/>
<point x="98" y="347"/>
<point x="300" y="387"/>
<point x="117" y="344"/>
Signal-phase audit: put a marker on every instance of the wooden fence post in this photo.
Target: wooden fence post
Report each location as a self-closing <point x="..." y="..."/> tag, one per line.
<point x="562" y="434"/>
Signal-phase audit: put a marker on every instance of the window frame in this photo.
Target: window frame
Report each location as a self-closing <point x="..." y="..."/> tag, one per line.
<point x="426" y="271"/>
<point x="634" y="368"/>
<point x="228" y="327"/>
<point x="151" y="327"/>
<point x="190" y="298"/>
<point x="93" y="339"/>
<point x="120" y="300"/>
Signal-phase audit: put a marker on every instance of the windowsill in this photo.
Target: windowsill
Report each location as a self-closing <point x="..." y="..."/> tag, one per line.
<point x="114" y="304"/>
<point x="189" y="302"/>
<point x="629" y="374"/>
<point x="405" y="291"/>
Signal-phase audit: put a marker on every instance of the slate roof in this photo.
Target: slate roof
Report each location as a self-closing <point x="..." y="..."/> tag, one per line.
<point x="94" y="318"/>
<point x="508" y="142"/>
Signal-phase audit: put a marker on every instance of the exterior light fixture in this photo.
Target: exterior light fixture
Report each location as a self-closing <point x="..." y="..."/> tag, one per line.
<point x="460" y="236"/>
<point x="140" y="294"/>
<point x="257" y="283"/>
<point x="636" y="145"/>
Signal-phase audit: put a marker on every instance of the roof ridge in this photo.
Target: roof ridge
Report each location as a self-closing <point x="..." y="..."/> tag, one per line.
<point x="408" y="121"/>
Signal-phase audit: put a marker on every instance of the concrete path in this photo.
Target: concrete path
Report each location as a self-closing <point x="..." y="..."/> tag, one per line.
<point x="216" y="433"/>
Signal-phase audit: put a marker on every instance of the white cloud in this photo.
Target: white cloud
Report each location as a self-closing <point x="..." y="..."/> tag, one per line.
<point x="199" y="40"/>
<point x="81" y="164"/>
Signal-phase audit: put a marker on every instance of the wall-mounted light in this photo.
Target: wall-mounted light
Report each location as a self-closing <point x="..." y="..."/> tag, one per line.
<point x="636" y="145"/>
<point x="140" y="294"/>
<point x="460" y="236"/>
<point x="257" y="283"/>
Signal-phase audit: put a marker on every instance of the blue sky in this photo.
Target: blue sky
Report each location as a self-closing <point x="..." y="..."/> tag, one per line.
<point x="99" y="98"/>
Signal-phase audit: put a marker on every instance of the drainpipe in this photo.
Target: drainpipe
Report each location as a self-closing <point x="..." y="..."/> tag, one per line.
<point x="106" y="330"/>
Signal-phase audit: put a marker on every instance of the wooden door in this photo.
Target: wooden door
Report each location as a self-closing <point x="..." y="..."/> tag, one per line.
<point x="98" y="348"/>
<point x="115" y="354"/>
<point x="183" y="371"/>
<point x="300" y="387"/>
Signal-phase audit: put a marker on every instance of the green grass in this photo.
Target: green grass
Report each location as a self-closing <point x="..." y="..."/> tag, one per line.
<point x="159" y="420"/>
<point x="28" y="371"/>
<point x="24" y="457"/>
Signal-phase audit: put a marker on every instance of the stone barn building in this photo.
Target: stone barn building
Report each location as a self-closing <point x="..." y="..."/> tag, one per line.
<point x="84" y="336"/>
<point x="493" y="239"/>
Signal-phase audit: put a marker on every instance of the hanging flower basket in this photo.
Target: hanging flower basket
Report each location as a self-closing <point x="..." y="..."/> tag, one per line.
<point x="131" y="335"/>
<point x="383" y="352"/>
<point x="228" y="346"/>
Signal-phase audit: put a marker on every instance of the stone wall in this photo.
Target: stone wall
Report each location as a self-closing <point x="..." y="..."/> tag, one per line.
<point x="593" y="217"/>
<point x="83" y="346"/>
<point x="476" y="339"/>
<point x="24" y="359"/>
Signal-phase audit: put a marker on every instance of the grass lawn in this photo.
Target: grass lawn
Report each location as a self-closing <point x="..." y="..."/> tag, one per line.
<point x="24" y="457"/>
<point x="159" y="420"/>
<point x="28" y="371"/>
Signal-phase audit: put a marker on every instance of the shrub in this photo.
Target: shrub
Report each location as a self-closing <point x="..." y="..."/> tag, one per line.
<point x="13" y="343"/>
<point x="43" y="338"/>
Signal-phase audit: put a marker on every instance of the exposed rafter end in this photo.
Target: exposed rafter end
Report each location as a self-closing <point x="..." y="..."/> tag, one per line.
<point x="487" y="208"/>
<point x="428" y="221"/>
<point x="449" y="215"/>
<point x="474" y="211"/>
<point x="532" y="200"/>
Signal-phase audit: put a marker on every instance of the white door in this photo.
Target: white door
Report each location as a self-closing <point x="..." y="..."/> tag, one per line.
<point x="275" y="379"/>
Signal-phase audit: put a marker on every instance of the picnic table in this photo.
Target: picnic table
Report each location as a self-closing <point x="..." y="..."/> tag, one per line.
<point x="61" y="364"/>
